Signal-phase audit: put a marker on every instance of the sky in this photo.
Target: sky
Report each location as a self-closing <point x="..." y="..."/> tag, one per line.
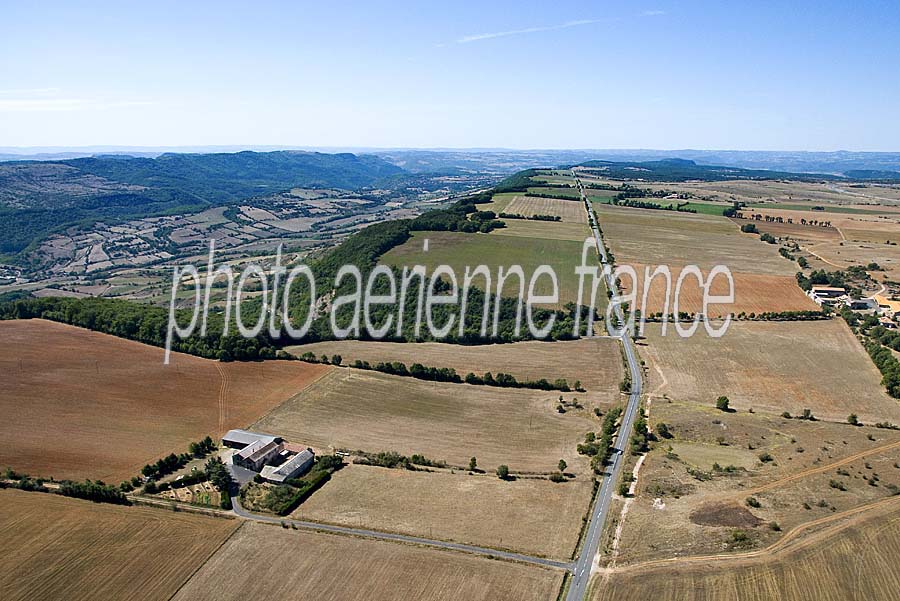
<point x="657" y="74"/>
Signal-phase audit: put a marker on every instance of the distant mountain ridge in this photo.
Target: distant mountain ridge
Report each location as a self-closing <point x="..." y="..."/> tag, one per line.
<point x="676" y="169"/>
<point x="38" y="197"/>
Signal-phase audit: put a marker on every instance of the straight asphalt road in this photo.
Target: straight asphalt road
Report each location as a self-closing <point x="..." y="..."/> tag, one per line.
<point x="582" y="570"/>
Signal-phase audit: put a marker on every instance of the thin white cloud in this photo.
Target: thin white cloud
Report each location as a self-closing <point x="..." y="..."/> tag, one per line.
<point x="32" y="105"/>
<point x="502" y="34"/>
<point x="653" y="13"/>
<point x="30" y="92"/>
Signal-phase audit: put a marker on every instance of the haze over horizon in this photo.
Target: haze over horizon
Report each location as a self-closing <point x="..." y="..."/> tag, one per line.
<point x="577" y="75"/>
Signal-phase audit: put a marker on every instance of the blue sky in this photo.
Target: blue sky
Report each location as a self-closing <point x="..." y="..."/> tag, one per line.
<point x="668" y="75"/>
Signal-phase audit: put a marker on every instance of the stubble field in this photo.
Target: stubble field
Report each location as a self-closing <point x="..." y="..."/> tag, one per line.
<point x="61" y="548"/>
<point x="288" y="564"/>
<point x="595" y="362"/>
<point x="79" y="404"/>
<point x="535" y="517"/>
<point x="370" y="411"/>
<point x="773" y="367"/>
<point x="855" y="558"/>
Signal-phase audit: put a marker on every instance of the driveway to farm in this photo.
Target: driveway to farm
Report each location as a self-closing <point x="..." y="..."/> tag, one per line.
<point x="243" y="513"/>
<point x="583" y="563"/>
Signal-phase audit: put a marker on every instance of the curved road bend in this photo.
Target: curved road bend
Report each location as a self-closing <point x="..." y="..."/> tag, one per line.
<point x="241" y="512"/>
<point x="584" y="561"/>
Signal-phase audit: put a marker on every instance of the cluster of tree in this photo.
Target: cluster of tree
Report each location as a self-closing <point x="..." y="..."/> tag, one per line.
<point x="94" y="491"/>
<point x="221" y="478"/>
<point x="600" y="448"/>
<point x="888" y="365"/>
<point x="805" y="315"/>
<point x="532" y="217"/>
<point x="285" y="498"/>
<point x="173" y="462"/>
<point x="767" y="237"/>
<point x="641" y="437"/>
<point x="622" y="201"/>
<point x="820" y="277"/>
<point x="393" y="460"/>
<point x="461" y="216"/>
<point x="503" y="380"/>
<point x="749" y="228"/>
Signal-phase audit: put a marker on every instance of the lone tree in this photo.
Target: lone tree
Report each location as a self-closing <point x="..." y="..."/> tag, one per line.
<point x="722" y="403"/>
<point x="852" y="419"/>
<point x="503" y="472"/>
<point x="562" y="465"/>
<point x="473" y="464"/>
<point x="662" y="430"/>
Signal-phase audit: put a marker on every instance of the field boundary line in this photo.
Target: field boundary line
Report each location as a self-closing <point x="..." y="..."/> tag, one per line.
<point x="314" y="384"/>
<point x="205" y="561"/>
<point x="816" y="470"/>
<point x="775" y="548"/>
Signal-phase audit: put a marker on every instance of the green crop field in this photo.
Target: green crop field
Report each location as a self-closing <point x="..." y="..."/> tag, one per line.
<point x="459" y="250"/>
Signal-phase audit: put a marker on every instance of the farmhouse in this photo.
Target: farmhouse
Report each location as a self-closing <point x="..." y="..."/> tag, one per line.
<point x="861" y="304"/>
<point x="827" y="295"/>
<point x="296" y="466"/>
<point x="255" y="455"/>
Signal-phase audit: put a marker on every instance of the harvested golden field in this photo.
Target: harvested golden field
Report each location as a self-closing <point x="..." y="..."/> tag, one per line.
<point x="771" y="366"/>
<point x="545" y="230"/>
<point x="753" y="293"/>
<point x="685" y="505"/>
<point x="846" y="253"/>
<point x="794" y="231"/>
<point x="458" y="507"/>
<point x="641" y="236"/>
<point x="568" y="210"/>
<point x="79" y="404"/>
<point x="61" y="548"/>
<point x="290" y="564"/>
<point x="854" y="558"/>
<point x="370" y="411"/>
<point x="595" y="362"/>
<point x="460" y="250"/>
<point x="865" y="227"/>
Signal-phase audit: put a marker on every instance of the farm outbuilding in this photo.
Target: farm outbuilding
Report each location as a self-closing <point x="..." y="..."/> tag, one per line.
<point x="294" y="467"/>
<point x="239" y="439"/>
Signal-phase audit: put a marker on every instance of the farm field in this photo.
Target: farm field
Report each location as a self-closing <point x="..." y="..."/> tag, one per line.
<point x="370" y="411"/>
<point x="862" y="227"/>
<point x="460" y="250"/>
<point x="80" y="404"/>
<point x="771" y="366"/>
<point x="61" y="548"/>
<point x="853" y="559"/>
<point x="595" y="362"/>
<point x="753" y="293"/>
<point x="794" y="231"/>
<point x="536" y="517"/>
<point x="669" y="238"/>
<point x="290" y="564"/>
<point x="569" y="211"/>
<point x="843" y="254"/>
<point x="694" y="487"/>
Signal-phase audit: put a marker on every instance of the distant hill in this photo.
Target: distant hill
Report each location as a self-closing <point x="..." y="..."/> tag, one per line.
<point x="39" y="197"/>
<point x="679" y="170"/>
